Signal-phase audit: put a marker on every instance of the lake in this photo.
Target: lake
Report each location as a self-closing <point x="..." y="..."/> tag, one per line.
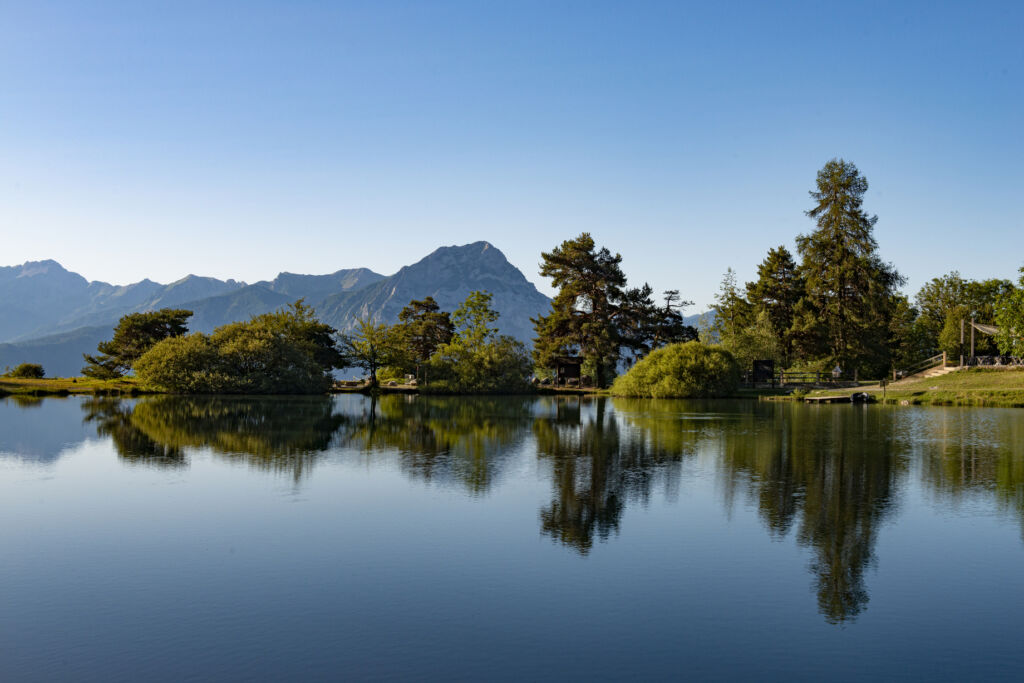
<point x="169" y="538"/>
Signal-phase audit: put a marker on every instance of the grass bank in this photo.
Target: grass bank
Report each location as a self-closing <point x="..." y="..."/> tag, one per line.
<point x="66" y="386"/>
<point x="971" y="387"/>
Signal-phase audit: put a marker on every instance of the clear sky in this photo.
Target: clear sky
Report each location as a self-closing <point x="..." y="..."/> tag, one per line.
<point x="156" y="139"/>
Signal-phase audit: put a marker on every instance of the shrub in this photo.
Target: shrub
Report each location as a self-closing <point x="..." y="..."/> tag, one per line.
<point x="688" y="370"/>
<point x="27" y="371"/>
<point x="499" y="366"/>
<point x="187" y="365"/>
<point x="270" y="354"/>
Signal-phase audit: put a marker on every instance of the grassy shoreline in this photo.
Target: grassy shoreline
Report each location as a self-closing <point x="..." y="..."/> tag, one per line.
<point x="981" y="387"/>
<point x="68" y="386"/>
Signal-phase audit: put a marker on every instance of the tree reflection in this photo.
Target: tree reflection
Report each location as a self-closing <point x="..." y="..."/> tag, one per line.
<point x="834" y="474"/>
<point x="967" y="452"/>
<point x="444" y="439"/>
<point x="597" y="467"/>
<point x="113" y="418"/>
<point x="275" y="434"/>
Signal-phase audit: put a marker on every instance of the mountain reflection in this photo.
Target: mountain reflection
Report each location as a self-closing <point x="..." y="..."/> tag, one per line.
<point x="830" y="476"/>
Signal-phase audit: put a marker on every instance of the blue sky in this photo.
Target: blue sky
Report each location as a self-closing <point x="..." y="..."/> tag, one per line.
<point x="157" y="139"/>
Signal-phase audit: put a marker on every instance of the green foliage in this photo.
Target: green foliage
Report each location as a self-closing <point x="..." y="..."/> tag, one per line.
<point x="374" y="346"/>
<point x="477" y="359"/>
<point x="583" y="313"/>
<point x="285" y="352"/>
<point x="135" y="334"/>
<point x="688" y="370"/>
<point x="26" y="371"/>
<point x="945" y="301"/>
<point x="776" y="292"/>
<point x="909" y="340"/>
<point x="502" y="365"/>
<point x="472" y="321"/>
<point x="644" y="325"/>
<point x="849" y="290"/>
<point x="1009" y="316"/>
<point x="732" y="310"/>
<point x="595" y="316"/>
<point x="189" y="364"/>
<point x="425" y="328"/>
<point x="755" y="341"/>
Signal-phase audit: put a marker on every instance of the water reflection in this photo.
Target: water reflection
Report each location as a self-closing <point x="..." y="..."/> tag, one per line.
<point x="827" y="477"/>
<point x="283" y="434"/>
<point x="967" y="454"/>
<point x="442" y="439"/>
<point x="598" y="466"/>
<point x="113" y="418"/>
<point x="834" y="476"/>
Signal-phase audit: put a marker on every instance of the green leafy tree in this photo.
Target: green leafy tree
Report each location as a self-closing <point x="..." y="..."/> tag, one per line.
<point x="849" y="289"/>
<point x="285" y="352"/>
<point x="426" y="328"/>
<point x="135" y="334"/>
<point x="909" y="340"/>
<point x="478" y="359"/>
<point x="755" y="341"/>
<point x="946" y="301"/>
<point x="1009" y="316"/>
<point x="472" y="321"/>
<point x="374" y="346"/>
<point x="300" y="326"/>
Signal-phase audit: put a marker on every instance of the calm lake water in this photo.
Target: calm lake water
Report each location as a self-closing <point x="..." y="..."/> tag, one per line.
<point x="515" y="538"/>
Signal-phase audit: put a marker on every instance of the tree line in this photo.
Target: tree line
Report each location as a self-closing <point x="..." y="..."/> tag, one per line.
<point x="840" y="304"/>
<point x="836" y="303"/>
<point x="291" y="351"/>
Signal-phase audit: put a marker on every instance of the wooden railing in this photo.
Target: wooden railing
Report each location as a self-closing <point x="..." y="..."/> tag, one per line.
<point x="921" y="366"/>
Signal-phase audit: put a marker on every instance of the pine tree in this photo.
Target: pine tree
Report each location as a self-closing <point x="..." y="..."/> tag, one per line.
<point x="776" y="292"/>
<point x="426" y="328"/>
<point x="135" y="334"/>
<point x="732" y="310"/>
<point x="849" y="289"/>
<point x="586" y="311"/>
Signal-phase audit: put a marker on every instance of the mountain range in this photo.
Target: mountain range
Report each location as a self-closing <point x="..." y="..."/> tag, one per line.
<point x="50" y="315"/>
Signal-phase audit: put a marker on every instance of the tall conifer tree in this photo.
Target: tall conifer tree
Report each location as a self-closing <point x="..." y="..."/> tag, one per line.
<point x="778" y="288"/>
<point x="849" y="289"/>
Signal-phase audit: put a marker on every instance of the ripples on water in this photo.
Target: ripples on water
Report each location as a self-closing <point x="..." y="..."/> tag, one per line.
<point x="716" y="538"/>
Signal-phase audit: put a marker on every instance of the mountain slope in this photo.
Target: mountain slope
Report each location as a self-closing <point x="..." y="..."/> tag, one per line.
<point x="59" y="354"/>
<point x="449" y="274"/>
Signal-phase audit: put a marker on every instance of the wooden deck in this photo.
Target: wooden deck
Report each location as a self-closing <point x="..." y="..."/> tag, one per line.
<point x="828" y="399"/>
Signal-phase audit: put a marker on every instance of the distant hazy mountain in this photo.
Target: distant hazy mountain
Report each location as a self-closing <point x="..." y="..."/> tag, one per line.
<point x="59" y="354"/>
<point x="41" y="298"/>
<point x="51" y="316"/>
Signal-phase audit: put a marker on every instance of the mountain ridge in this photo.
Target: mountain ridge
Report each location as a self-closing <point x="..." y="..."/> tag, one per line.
<point x="57" y="315"/>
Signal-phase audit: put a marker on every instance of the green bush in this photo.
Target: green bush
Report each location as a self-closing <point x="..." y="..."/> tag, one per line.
<point x="688" y="370"/>
<point x="275" y="353"/>
<point x="26" y="371"/>
<point x="499" y="366"/>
